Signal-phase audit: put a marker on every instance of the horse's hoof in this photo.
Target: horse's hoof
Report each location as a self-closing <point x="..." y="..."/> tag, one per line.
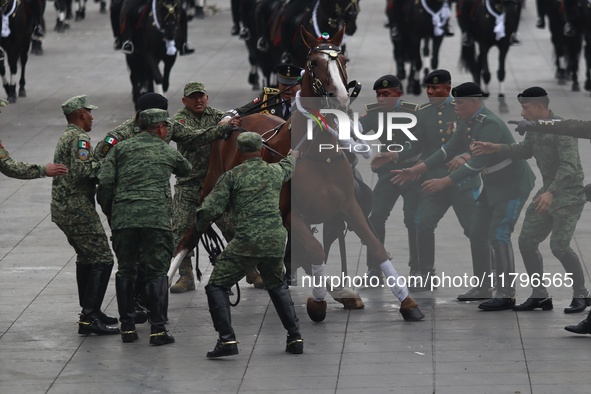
<point x="576" y="87"/>
<point x="316" y="310"/>
<point x="349" y="298"/>
<point x="11" y="99"/>
<point x="410" y="310"/>
<point x="485" y="94"/>
<point x="588" y="85"/>
<point x="22" y="92"/>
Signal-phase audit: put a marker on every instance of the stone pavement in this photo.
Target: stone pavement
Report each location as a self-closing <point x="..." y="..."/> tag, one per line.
<point x="456" y="349"/>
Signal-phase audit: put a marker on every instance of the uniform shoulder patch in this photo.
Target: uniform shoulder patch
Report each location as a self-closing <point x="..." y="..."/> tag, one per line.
<point x="83" y="149"/>
<point x="270" y="90"/>
<point x="111" y="140"/>
<point x="372" y="107"/>
<point x="407" y="106"/>
<point x="480" y="118"/>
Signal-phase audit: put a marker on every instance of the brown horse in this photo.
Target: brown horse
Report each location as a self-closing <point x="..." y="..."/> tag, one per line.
<point x="322" y="186"/>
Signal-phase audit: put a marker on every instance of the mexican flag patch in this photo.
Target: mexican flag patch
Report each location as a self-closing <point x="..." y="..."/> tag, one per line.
<point x="83" y="144"/>
<point x="110" y="140"/>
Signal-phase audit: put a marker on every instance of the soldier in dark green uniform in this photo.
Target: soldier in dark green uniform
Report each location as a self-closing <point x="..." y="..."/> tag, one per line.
<point x="274" y="101"/>
<point x="556" y="207"/>
<point x="388" y="92"/>
<point x="73" y="211"/>
<point x="506" y="186"/>
<point x="250" y="192"/>
<point x="437" y="123"/>
<point x="134" y="191"/>
<point x="199" y="116"/>
<point x="20" y="170"/>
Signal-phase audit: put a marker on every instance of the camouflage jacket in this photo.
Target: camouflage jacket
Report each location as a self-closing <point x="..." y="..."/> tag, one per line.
<point x="180" y="132"/>
<point x="72" y="195"/>
<point x="134" y="182"/>
<point x="18" y="169"/>
<point x="559" y="162"/>
<point x="250" y="192"/>
<point x="198" y="152"/>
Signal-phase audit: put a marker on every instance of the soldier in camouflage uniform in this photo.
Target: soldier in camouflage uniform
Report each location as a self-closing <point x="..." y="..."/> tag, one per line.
<point x="506" y="186"/>
<point x="134" y="191"/>
<point x="20" y="170"/>
<point x="556" y="207"/>
<point x="73" y="210"/>
<point x="250" y="192"/>
<point x="388" y="92"/>
<point x="437" y="123"/>
<point x="274" y="101"/>
<point x="196" y="115"/>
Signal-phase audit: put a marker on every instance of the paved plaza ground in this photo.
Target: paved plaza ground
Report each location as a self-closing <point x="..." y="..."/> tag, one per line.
<point x="456" y="349"/>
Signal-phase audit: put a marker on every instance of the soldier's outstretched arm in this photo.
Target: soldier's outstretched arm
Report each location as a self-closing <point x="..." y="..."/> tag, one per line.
<point x="570" y="127"/>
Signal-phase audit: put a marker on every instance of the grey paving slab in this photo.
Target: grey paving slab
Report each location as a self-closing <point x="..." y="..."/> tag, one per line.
<point x="456" y="349"/>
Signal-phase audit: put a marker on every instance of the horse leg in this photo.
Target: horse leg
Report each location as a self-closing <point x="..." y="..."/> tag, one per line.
<point x="10" y="85"/>
<point x="156" y="76"/>
<point x="24" y="58"/>
<point x="435" y="54"/>
<point x="503" y="108"/>
<point x="357" y="222"/>
<point x="168" y="63"/>
<point x="484" y="70"/>
<point x="416" y="64"/>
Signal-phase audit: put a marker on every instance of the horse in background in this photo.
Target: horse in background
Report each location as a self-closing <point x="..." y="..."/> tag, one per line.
<point x="421" y="22"/>
<point x="584" y="25"/>
<point x="322" y="186"/>
<point x="17" y="29"/>
<point x="567" y="50"/>
<point x="155" y="40"/>
<point x="496" y="22"/>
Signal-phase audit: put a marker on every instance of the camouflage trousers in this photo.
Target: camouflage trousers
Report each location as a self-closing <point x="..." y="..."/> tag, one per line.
<point x="230" y="268"/>
<point x="89" y="241"/>
<point x="185" y="202"/>
<point x="559" y="223"/>
<point x="156" y="247"/>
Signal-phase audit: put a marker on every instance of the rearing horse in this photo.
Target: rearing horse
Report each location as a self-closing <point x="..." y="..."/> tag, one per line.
<point x="155" y="41"/>
<point x="322" y="186"/>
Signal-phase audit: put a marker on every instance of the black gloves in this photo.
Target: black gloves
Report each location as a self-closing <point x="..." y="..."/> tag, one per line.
<point x="523" y="125"/>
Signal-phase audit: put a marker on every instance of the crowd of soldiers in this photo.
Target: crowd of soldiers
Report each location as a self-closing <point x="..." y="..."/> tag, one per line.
<point x="465" y="157"/>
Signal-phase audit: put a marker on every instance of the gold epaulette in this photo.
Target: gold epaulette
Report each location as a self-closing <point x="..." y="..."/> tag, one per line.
<point x="270" y="90"/>
<point x="480" y="118"/>
<point x="406" y="106"/>
<point x="422" y="107"/>
<point x="372" y="107"/>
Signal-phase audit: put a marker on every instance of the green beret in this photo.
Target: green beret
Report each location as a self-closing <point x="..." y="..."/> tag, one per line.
<point x="76" y="103"/>
<point x="387" y="81"/>
<point x="437" y="77"/>
<point x="249" y="142"/>
<point x="194" y="87"/>
<point x="153" y="116"/>
<point x="468" y="89"/>
<point x="288" y="74"/>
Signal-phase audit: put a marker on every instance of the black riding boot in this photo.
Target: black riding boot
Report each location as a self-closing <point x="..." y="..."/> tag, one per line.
<point x="127" y="46"/>
<point x="583" y="327"/>
<point x="284" y="306"/>
<point x="291" y="277"/>
<point x="219" y="308"/>
<point x="104" y="283"/>
<point x="158" y="310"/>
<point x="481" y="266"/>
<point x="425" y="248"/>
<point x="505" y="296"/>
<point x="141" y="299"/>
<point x="581" y="298"/>
<point x="90" y="322"/>
<point x="534" y="264"/>
<point x="126" y="305"/>
<point x="82" y="276"/>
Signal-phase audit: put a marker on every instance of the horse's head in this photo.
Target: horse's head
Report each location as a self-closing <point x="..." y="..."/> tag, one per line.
<point x="167" y="17"/>
<point x="325" y="73"/>
<point x="341" y="12"/>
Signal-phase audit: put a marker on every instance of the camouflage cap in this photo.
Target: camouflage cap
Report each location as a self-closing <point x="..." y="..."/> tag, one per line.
<point x="249" y="142"/>
<point x="194" y="87"/>
<point x="76" y="103"/>
<point x="153" y="116"/>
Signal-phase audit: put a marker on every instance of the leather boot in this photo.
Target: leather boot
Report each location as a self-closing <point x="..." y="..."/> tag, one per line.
<point x="104" y="283"/>
<point x="291" y="277"/>
<point x="219" y="308"/>
<point x="187" y="280"/>
<point x="141" y="298"/>
<point x="583" y="327"/>
<point x="281" y="299"/>
<point x="89" y="321"/>
<point x="126" y="306"/>
<point x="425" y="246"/>
<point x="505" y="296"/>
<point x="158" y="310"/>
<point x="581" y="298"/>
<point x="481" y="265"/>
<point x="82" y="276"/>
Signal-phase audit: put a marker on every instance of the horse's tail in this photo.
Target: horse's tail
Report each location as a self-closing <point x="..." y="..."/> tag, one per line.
<point x="468" y="58"/>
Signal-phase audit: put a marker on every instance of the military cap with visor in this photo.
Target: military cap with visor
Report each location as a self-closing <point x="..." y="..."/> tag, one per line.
<point x="468" y="89"/>
<point x="249" y="142"/>
<point x="76" y="103"/>
<point x="387" y="81"/>
<point x="288" y="74"/>
<point x="194" y="87"/>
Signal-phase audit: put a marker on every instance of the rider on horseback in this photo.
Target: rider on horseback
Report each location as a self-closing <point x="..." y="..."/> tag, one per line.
<point x="128" y="11"/>
<point x="397" y="10"/>
<point x="570" y="12"/>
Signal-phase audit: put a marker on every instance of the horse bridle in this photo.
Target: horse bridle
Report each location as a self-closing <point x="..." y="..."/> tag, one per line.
<point x="170" y="8"/>
<point x="333" y="53"/>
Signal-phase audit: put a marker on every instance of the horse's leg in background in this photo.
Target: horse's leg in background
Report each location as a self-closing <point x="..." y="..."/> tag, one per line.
<point x="153" y="69"/>
<point x="503" y="49"/>
<point x="61" y="9"/>
<point x="576" y="47"/>
<point x="80" y="10"/>
<point x="357" y="222"/>
<point x="435" y="55"/>
<point x="398" y="54"/>
<point x="10" y="83"/>
<point x="426" y="56"/>
<point x="416" y="64"/>
<point x="482" y="68"/>
<point x="24" y="58"/>
<point x="168" y="63"/>
<point x="587" y="62"/>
